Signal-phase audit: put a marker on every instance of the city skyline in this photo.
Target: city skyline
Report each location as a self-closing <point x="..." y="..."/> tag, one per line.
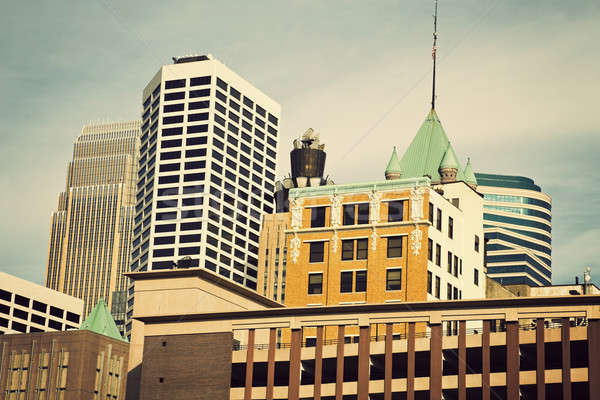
<point x="361" y="80"/>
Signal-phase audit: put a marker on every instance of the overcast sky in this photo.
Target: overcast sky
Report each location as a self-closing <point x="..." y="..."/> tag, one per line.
<point x="518" y="84"/>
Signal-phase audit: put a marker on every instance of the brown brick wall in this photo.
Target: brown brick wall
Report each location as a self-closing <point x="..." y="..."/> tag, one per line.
<point x="83" y="348"/>
<point x="190" y="366"/>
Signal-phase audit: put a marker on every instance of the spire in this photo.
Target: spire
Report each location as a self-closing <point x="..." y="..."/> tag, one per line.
<point x="448" y="166"/>
<point x="469" y="175"/>
<point x="393" y="169"/>
<point x="100" y="321"/>
<point x="433" y="54"/>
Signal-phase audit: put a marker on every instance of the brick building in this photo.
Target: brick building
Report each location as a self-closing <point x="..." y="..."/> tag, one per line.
<point x="90" y="363"/>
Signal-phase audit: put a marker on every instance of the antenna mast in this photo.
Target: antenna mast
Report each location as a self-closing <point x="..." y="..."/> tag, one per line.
<point x="433" y="54"/>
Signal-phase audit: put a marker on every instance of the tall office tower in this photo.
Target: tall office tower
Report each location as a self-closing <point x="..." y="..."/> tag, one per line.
<point x="517" y="224"/>
<point x="207" y="170"/>
<point x="90" y="233"/>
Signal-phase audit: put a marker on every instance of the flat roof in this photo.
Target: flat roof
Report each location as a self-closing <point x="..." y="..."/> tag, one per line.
<point x="205" y="274"/>
<point x="425" y="306"/>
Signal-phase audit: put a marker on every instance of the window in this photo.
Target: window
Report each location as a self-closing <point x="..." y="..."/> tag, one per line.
<point x="177" y="83"/>
<point x="430" y="249"/>
<point x="449" y="262"/>
<point x="21" y="300"/>
<point x="394" y="246"/>
<point x="438" y="285"/>
<point x="362" y="249"/>
<point x="361" y="281"/>
<point x="315" y="283"/>
<point x="317" y="250"/>
<point x="346" y="281"/>
<point x="450" y="227"/>
<point x="347" y="249"/>
<point x="363" y="213"/>
<point x="477" y="243"/>
<point x="449" y="292"/>
<point x="439" y="220"/>
<point x="476" y="277"/>
<point x="430" y="213"/>
<point x="348" y="212"/>
<point x="202" y="80"/>
<point x="438" y="255"/>
<point x="395" y="211"/>
<point x="4" y="295"/>
<point x="393" y="279"/>
<point x="56" y="312"/>
<point x="317" y="217"/>
<point x="456" y="266"/>
<point x="429" y="282"/>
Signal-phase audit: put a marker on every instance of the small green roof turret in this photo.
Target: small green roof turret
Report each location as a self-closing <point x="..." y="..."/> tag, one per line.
<point x="470" y="178"/>
<point x="100" y="321"/>
<point x="393" y="169"/>
<point x="449" y="160"/>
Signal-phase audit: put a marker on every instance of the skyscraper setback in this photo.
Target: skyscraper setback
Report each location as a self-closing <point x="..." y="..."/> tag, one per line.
<point x="207" y="170"/>
<point x="90" y="233"/>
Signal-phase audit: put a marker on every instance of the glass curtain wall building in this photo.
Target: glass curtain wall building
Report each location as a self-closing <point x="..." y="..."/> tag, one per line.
<point x="518" y="230"/>
<point x="206" y="173"/>
<point x="90" y="233"/>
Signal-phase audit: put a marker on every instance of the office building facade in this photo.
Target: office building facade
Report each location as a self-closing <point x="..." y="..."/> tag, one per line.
<point x="518" y="230"/>
<point x="527" y="348"/>
<point x="26" y="307"/>
<point x="91" y="232"/>
<point x="207" y="170"/>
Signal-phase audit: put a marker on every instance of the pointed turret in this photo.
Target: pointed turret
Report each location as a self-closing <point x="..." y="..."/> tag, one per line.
<point x="448" y="166"/>
<point x="100" y="321"/>
<point x="393" y="169"/>
<point x="469" y="175"/>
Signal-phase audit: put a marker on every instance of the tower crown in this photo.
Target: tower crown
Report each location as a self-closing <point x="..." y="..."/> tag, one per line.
<point x="393" y="169"/>
<point x="448" y="166"/>
<point x="470" y="178"/>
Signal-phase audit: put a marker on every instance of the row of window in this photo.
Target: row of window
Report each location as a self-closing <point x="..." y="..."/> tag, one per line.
<point x="355" y="249"/>
<point x="439" y="219"/>
<point x="353" y="214"/>
<point x="37" y="306"/>
<point x="355" y="281"/>
<point x="434" y="289"/>
<point x="247" y="101"/>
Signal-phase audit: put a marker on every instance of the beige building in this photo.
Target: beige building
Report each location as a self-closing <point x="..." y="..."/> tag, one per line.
<point x="26" y="307"/>
<point x="194" y="327"/>
<point x="272" y="256"/>
<point x="91" y="231"/>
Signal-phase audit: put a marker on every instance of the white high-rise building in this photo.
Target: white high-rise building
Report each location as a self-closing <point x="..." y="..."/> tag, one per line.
<point x="207" y="170"/>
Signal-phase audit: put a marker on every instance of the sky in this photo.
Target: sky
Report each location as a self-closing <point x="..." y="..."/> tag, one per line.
<point x="517" y="89"/>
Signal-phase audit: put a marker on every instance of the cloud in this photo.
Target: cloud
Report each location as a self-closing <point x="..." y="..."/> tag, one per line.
<point x="516" y="89"/>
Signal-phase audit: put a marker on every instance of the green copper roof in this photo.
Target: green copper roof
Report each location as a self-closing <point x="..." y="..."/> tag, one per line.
<point x="100" y="321"/>
<point x="469" y="175"/>
<point x="425" y="152"/>
<point x="393" y="166"/>
<point x="449" y="160"/>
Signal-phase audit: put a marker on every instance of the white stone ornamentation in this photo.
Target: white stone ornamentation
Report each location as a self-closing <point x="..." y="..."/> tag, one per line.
<point x="336" y="211"/>
<point x="334" y="242"/>
<point x="416" y="203"/>
<point x="415" y="241"/>
<point x="295" y="248"/>
<point x="374" y="206"/>
<point x="374" y="240"/>
<point x="296" y="209"/>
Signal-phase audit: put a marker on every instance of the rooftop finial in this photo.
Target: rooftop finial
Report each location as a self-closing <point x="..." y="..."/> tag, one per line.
<point x="433" y="54"/>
